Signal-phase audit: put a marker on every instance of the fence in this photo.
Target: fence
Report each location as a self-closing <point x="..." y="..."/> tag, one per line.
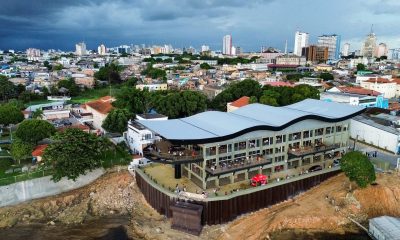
<point x="25" y="176"/>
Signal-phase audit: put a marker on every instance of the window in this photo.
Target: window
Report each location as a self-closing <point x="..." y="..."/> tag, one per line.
<point x="280" y="138"/>
<point x="338" y="128"/>
<point x="307" y="143"/>
<point x="279" y="168"/>
<point x="267" y="141"/>
<point x="268" y="151"/>
<point x="240" y="146"/>
<point x="294" y="136"/>
<point x="317" y="159"/>
<point x="293" y="164"/>
<point x="279" y="158"/>
<point x="280" y="149"/>
<point x="307" y="134"/>
<point x="306" y="161"/>
<point x="328" y="130"/>
<point x="319" y="132"/>
<point x="211" y="151"/>
<point x="254" y="143"/>
<point x="222" y="149"/>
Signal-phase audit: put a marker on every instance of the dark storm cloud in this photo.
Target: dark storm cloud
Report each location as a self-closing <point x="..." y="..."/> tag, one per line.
<point x="61" y="23"/>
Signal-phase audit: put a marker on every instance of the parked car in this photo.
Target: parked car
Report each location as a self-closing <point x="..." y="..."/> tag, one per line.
<point x="336" y="163"/>
<point x="315" y="168"/>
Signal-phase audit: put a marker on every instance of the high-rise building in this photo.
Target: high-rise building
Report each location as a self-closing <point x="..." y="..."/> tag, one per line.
<point x="227" y="45"/>
<point x="332" y="42"/>
<point x="205" y="48"/>
<point x="300" y="41"/>
<point x="394" y="54"/>
<point x="33" y="54"/>
<point x="102" y="50"/>
<point x="346" y="50"/>
<point x="315" y="53"/>
<point x="368" y="49"/>
<point x="381" y="50"/>
<point x="80" y="48"/>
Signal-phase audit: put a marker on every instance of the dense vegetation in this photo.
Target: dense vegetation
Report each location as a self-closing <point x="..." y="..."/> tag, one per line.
<point x="358" y="168"/>
<point x="274" y="96"/>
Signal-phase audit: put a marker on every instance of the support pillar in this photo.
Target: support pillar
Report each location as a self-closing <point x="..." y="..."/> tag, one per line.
<point x="178" y="171"/>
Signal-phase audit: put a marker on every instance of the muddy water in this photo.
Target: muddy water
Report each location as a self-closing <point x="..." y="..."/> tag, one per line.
<point x="107" y="228"/>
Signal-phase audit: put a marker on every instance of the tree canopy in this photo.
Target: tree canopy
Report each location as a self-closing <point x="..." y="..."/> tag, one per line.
<point x="34" y="130"/>
<point x="154" y="73"/>
<point x="326" y="76"/>
<point x="109" y="73"/>
<point x="74" y="152"/>
<point x="361" y="67"/>
<point x="10" y="114"/>
<point x="358" y="168"/>
<point x="205" y="66"/>
<point x="21" y="150"/>
<point x="7" y="89"/>
<point x="117" y="121"/>
<point x="73" y="88"/>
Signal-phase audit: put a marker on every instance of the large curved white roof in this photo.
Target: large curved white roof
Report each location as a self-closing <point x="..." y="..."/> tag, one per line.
<point x="214" y="126"/>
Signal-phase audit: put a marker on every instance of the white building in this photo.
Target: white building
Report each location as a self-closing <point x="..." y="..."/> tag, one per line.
<point x="102" y="50"/>
<point x="80" y="48"/>
<point x="227" y="45"/>
<point x="386" y="87"/>
<point x="153" y="87"/>
<point x="381" y="50"/>
<point x="385" y="228"/>
<point x="33" y="54"/>
<point x="346" y="50"/>
<point x="205" y="48"/>
<point x="332" y="42"/>
<point x="368" y="130"/>
<point x="368" y="49"/>
<point x="348" y="98"/>
<point x="138" y="137"/>
<point x="300" y="41"/>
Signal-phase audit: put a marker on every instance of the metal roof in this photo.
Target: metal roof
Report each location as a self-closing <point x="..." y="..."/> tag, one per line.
<point x="216" y="126"/>
<point x="389" y="226"/>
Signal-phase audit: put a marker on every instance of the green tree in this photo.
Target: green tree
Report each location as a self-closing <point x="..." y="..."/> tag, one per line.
<point x="253" y="99"/>
<point x="37" y="114"/>
<point x="110" y="73"/>
<point x="326" y="76"/>
<point x="21" y="150"/>
<point x="358" y="168"/>
<point x="73" y="88"/>
<point x="58" y="67"/>
<point x="270" y="97"/>
<point x="10" y="114"/>
<point x="7" y="89"/>
<point x="205" y="66"/>
<point x="361" y="67"/>
<point x="34" y="130"/>
<point x="131" y="82"/>
<point x="117" y="121"/>
<point x="132" y="99"/>
<point x="74" y="152"/>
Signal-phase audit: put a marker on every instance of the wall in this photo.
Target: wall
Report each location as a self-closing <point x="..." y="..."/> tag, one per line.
<point x="223" y="209"/>
<point x="42" y="187"/>
<point x="375" y="136"/>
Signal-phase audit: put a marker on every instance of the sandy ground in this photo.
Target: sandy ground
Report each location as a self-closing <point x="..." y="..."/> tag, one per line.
<point x="324" y="208"/>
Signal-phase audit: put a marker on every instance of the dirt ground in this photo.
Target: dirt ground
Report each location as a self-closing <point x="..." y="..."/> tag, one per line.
<point x="324" y="208"/>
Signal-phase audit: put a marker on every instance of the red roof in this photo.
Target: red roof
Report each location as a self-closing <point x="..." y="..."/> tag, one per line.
<point x="78" y="126"/>
<point x="102" y="105"/>
<point x="279" y="84"/>
<point x="39" y="150"/>
<point x="358" y="90"/>
<point x="378" y="80"/>
<point x="243" y="101"/>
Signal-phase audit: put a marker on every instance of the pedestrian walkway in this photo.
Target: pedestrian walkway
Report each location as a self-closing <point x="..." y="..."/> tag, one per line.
<point x="376" y="153"/>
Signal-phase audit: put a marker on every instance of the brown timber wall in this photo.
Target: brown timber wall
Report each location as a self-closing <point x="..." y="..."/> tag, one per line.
<point x="222" y="211"/>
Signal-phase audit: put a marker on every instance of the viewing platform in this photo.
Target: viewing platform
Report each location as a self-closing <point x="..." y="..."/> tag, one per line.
<point x="237" y="165"/>
<point x="165" y="152"/>
<point x="304" y="151"/>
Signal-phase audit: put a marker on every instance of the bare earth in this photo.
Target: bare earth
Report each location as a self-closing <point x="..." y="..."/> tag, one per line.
<point x="324" y="208"/>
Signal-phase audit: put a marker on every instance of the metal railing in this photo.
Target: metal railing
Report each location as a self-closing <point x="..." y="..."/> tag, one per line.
<point x="299" y="152"/>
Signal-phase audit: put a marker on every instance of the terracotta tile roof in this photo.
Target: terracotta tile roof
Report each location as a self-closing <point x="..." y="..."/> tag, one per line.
<point x="378" y="80"/>
<point x="279" y="84"/>
<point x="78" y="126"/>
<point x="358" y="90"/>
<point x="38" y="151"/>
<point x="243" y="101"/>
<point x="396" y="80"/>
<point x="102" y="105"/>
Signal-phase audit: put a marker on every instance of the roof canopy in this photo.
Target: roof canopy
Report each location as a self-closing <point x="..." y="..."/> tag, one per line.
<point x="213" y="126"/>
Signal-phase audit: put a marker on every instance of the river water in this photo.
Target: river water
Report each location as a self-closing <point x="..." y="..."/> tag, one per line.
<point x="107" y="228"/>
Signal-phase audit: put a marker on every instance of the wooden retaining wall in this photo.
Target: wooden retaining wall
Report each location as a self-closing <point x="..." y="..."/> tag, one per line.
<point x="226" y="208"/>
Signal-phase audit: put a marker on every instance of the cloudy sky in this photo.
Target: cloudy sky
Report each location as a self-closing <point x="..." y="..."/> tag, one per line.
<point x="60" y="24"/>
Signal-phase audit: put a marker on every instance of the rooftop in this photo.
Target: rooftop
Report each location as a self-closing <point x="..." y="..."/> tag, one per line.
<point x="38" y="151"/>
<point x="358" y="90"/>
<point x="214" y="126"/>
<point x="390" y="226"/>
<point x="241" y="102"/>
<point x="102" y="105"/>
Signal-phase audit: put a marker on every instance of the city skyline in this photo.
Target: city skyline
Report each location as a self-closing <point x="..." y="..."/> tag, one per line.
<point x="58" y="24"/>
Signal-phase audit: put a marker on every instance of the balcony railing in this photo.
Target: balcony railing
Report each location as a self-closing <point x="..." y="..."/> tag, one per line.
<point x="237" y="165"/>
<point x="164" y="153"/>
<point x="304" y="151"/>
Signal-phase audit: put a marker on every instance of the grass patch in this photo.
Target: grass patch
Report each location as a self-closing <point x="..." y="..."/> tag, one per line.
<point x="117" y="157"/>
<point x="93" y="94"/>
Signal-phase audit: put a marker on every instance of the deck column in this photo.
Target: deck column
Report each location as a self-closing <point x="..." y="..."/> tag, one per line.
<point x="178" y="171"/>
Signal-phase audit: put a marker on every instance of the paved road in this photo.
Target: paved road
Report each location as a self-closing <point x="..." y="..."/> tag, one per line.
<point x="381" y="155"/>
